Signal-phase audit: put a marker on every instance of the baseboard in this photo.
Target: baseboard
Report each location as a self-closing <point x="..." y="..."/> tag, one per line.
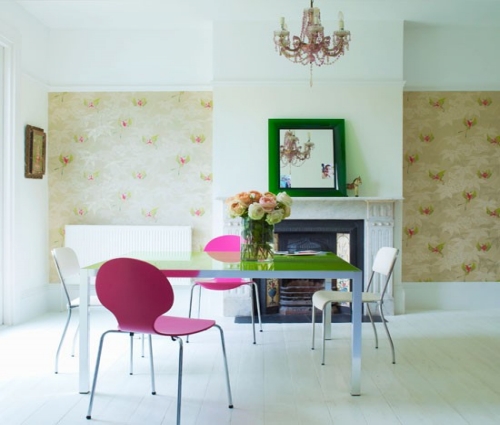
<point x="451" y="295"/>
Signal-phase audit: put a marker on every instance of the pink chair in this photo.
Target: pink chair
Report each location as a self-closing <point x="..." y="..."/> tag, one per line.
<point x="226" y="248"/>
<point x="138" y="294"/>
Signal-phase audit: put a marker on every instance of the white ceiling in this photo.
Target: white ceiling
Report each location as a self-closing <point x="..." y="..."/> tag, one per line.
<point x="160" y="14"/>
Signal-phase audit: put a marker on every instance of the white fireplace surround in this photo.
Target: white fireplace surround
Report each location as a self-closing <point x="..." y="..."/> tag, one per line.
<point x="379" y="216"/>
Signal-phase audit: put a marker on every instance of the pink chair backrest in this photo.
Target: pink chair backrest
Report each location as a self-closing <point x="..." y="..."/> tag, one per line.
<point x="224" y="244"/>
<point x="136" y="292"/>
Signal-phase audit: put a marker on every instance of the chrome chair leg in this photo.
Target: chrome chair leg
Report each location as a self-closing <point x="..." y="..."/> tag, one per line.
<point x="324" y="335"/>
<point x="313" y="322"/>
<point x="191" y="303"/>
<point x="131" y="366"/>
<point x="179" y="379"/>
<point x="224" y="355"/>
<point x="368" y="309"/>
<point x="62" y="340"/>
<point x="151" y="363"/>
<point x="251" y="316"/>
<point x="257" y="302"/>
<point x="96" y="371"/>
<point x="387" y="331"/>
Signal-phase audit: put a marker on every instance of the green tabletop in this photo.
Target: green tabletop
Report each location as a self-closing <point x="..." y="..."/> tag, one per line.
<point x="223" y="264"/>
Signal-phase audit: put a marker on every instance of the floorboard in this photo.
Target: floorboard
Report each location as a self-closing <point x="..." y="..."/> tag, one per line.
<point x="447" y="372"/>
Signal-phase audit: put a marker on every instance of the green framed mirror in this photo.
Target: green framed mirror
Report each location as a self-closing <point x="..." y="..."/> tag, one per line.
<point x="307" y="157"/>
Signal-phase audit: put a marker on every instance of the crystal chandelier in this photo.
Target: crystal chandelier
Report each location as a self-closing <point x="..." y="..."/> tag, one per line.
<point x="291" y="152"/>
<point x="312" y="47"/>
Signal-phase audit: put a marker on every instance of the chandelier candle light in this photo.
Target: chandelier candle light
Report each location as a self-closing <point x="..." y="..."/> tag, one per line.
<point x="312" y="47"/>
<point x="259" y="213"/>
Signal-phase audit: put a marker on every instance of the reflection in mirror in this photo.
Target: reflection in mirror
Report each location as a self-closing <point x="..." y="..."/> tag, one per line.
<point x="306" y="158"/>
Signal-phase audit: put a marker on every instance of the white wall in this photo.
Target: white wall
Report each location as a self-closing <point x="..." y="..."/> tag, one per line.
<point x="117" y="59"/>
<point x="455" y="58"/>
<point x="373" y="117"/>
<point x="26" y="274"/>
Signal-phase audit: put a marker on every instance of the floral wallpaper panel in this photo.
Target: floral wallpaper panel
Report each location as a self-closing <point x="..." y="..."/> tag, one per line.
<point x="130" y="158"/>
<point x="451" y="186"/>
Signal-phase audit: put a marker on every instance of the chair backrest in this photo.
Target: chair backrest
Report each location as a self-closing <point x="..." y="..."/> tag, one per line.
<point x="384" y="264"/>
<point x="136" y="292"/>
<point x="67" y="266"/>
<point x="224" y="244"/>
<point x="227" y="243"/>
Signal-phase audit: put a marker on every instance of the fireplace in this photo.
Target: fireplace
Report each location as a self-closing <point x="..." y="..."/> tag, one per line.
<point x="293" y="296"/>
<point x="377" y="216"/>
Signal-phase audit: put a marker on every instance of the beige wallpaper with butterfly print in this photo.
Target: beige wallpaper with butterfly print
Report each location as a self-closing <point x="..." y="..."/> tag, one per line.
<point x="451" y="213"/>
<point x="130" y="158"/>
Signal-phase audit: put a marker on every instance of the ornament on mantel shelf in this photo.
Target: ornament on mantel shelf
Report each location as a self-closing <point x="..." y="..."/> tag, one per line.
<point x="355" y="185"/>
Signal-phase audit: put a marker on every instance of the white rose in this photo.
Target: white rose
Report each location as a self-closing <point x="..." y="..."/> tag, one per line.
<point x="283" y="198"/>
<point x="255" y="211"/>
<point x="275" y="216"/>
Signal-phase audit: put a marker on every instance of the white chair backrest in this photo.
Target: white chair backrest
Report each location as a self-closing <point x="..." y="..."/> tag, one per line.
<point x="384" y="260"/>
<point x="67" y="265"/>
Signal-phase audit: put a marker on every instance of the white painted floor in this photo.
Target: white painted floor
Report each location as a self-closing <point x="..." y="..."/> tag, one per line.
<point x="447" y="372"/>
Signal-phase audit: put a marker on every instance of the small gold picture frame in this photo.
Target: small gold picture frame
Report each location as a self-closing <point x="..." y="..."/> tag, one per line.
<point x="35" y="147"/>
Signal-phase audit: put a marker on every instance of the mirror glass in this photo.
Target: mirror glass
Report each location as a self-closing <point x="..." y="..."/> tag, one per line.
<point x="306" y="158"/>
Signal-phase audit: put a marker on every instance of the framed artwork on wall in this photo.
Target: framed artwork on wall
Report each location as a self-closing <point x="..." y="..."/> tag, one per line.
<point x="35" y="148"/>
<point x="307" y="157"/>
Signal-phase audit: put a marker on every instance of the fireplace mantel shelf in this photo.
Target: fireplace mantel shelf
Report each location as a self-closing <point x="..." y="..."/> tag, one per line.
<point x="334" y="199"/>
<point x="346" y="199"/>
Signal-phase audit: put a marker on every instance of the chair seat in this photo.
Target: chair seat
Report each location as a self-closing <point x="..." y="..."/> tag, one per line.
<point x="181" y="326"/>
<point x="321" y="298"/>
<point x="222" y="284"/>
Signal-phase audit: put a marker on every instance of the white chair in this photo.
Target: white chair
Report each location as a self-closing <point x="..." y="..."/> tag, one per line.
<point x="384" y="265"/>
<point x="68" y="269"/>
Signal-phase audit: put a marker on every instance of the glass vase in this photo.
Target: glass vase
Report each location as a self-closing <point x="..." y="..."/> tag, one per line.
<point x="258" y="240"/>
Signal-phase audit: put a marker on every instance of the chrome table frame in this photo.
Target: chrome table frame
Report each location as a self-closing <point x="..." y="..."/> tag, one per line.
<point x="199" y="265"/>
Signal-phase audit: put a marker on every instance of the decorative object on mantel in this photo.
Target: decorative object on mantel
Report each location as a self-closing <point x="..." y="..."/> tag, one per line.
<point x="259" y="213"/>
<point x="291" y="152"/>
<point x="355" y="185"/>
<point x="312" y="47"/>
<point x="35" y="146"/>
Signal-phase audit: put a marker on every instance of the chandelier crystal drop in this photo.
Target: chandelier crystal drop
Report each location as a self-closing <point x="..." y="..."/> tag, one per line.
<point x="312" y="47"/>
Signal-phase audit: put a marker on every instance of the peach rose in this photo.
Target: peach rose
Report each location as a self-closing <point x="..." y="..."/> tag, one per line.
<point x="268" y="203"/>
<point x="236" y="209"/>
<point x="244" y="198"/>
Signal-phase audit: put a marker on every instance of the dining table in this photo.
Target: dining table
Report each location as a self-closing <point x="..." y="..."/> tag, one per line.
<point x="317" y="265"/>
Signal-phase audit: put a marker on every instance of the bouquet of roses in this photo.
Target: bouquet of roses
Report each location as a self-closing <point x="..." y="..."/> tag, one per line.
<point x="259" y="213"/>
<point x="260" y="206"/>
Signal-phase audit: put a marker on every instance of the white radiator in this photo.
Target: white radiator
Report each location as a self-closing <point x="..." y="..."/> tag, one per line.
<point x="96" y="243"/>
